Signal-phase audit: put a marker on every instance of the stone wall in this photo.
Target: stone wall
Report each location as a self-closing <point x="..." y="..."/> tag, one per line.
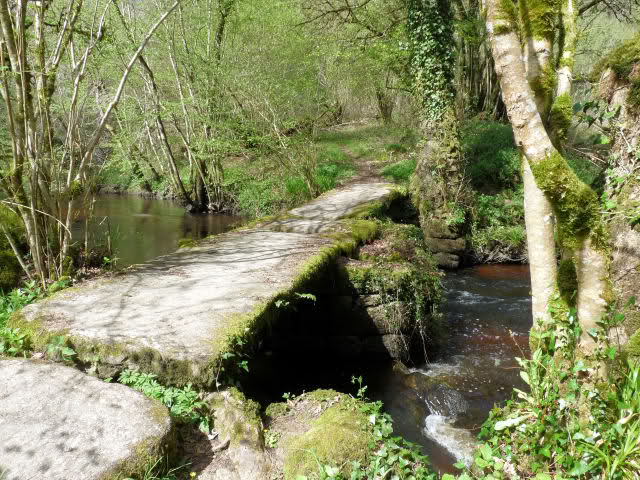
<point x="625" y="224"/>
<point x="382" y="304"/>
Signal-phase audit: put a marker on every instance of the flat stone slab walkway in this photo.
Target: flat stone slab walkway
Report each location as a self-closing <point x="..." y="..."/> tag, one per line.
<point x="181" y="305"/>
<point x="57" y="423"/>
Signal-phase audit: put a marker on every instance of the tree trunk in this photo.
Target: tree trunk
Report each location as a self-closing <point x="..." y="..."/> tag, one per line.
<point x="579" y="224"/>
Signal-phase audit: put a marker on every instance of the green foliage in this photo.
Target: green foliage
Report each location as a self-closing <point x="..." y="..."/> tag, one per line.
<point x="184" y="404"/>
<point x="328" y="176"/>
<point x="431" y="36"/>
<point x="498" y="232"/>
<point x="491" y="154"/>
<point x="401" y="171"/>
<point x="620" y="60"/>
<point x="588" y="172"/>
<point x="13" y="342"/>
<point x="57" y="348"/>
<point x="10" y="269"/>
<point x="566" y="426"/>
<point x="271" y="438"/>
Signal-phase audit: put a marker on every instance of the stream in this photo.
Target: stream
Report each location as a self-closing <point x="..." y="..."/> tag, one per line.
<point x="439" y="405"/>
<point x="142" y="228"/>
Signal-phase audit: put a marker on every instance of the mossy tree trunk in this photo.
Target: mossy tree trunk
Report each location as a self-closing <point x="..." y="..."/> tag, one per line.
<point x="575" y="206"/>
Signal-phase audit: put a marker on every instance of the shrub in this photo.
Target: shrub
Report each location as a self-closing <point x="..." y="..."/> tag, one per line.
<point x="10" y="269"/>
<point x="401" y="171"/>
<point x="490" y="154"/>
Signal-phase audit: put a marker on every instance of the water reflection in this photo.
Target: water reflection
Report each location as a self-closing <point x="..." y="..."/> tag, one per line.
<point x="143" y="228"/>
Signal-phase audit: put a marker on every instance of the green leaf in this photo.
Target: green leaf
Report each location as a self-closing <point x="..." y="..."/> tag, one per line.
<point x="486" y="451"/>
<point x="580" y="469"/>
<point x="525" y="377"/>
<point x="510" y="422"/>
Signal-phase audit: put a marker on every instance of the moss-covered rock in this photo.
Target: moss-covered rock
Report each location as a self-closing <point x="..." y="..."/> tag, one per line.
<point x="238" y="422"/>
<point x="621" y="60"/>
<point x="400" y="276"/>
<point x="438" y="189"/>
<point x="323" y="427"/>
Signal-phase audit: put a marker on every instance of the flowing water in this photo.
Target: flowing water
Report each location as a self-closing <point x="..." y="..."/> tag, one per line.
<point x="143" y="228"/>
<point x="441" y="405"/>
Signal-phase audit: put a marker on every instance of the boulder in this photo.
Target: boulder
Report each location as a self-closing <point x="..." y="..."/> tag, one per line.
<point x="57" y="423"/>
<point x="394" y="346"/>
<point x="447" y="261"/>
<point x="445" y="245"/>
<point x="238" y="423"/>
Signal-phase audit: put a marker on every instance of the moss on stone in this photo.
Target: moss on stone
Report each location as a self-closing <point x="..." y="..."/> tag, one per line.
<point x="250" y="408"/>
<point x="148" y="453"/>
<point x="621" y="60"/>
<point x="575" y="204"/>
<point x="241" y="332"/>
<point x="276" y="409"/>
<point x="338" y="437"/>
<point x="324" y="395"/>
<point x="378" y="208"/>
<point x="187" y="243"/>
<point x="114" y="357"/>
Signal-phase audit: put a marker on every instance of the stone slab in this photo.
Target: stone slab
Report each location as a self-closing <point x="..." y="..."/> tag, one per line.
<point x="303" y="225"/>
<point x="343" y="202"/>
<point x="179" y="305"/>
<point x="59" y="424"/>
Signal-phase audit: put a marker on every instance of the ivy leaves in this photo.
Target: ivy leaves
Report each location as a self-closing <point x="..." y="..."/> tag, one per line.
<point x="432" y="49"/>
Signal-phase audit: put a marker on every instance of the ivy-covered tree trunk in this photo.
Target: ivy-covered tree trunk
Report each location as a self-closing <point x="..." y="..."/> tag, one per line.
<point x="438" y="186"/>
<point x="576" y="208"/>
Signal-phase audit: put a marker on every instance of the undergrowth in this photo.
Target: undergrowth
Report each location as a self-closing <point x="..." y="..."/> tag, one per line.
<point x="498" y="232"/>
<point x="389" y="456"/>
<point x="570" y="424"/>
<point x="401" y="171"/>
<point x="13" y="342"/>
<point x="185" y="404"/>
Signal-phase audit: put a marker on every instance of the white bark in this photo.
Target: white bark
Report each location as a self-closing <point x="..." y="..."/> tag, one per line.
<point x="531" y="136"/>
